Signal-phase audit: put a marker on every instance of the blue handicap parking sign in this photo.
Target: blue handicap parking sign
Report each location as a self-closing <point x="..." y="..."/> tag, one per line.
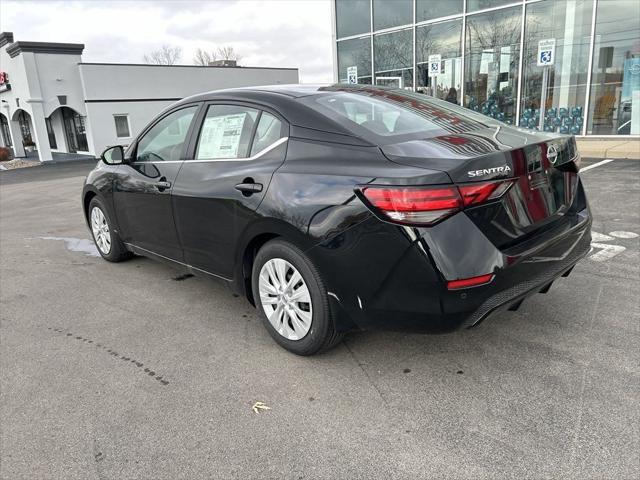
<point x="545" y="56"/>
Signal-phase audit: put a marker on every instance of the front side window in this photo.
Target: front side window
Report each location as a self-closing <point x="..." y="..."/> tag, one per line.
<point x="165" y="140"/>
<point x="122" y="126"/>
<point x="226" y="132"/>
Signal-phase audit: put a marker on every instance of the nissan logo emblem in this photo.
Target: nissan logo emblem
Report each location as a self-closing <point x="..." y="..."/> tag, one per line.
<point x="552" y="153"/>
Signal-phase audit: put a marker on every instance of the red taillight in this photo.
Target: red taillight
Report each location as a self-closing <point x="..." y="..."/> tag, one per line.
<point x="475" y="193"/>
<point x="470" y="282"/>
<point x="428" y="205"/>
<point x="422" y="205"/>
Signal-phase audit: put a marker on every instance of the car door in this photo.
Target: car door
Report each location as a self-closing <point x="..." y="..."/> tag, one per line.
<point x="142" y="187"/>
<point x="233" y="155"/>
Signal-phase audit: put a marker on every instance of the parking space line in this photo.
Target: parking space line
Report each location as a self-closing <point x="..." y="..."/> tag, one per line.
<point x="596" y="165"/>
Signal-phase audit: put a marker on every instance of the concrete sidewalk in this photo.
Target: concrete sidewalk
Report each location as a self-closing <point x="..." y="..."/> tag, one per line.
<point x="609" y="148"/>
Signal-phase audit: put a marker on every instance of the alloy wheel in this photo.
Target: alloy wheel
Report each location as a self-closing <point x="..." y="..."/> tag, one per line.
<point x="100" y="229"/>
<point x="285" y="299"/>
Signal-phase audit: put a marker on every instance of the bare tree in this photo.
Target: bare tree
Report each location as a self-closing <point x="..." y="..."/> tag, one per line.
<point x="166" y="55"/>
<point x="203" y="57"/>
<point x="228" y="53"/>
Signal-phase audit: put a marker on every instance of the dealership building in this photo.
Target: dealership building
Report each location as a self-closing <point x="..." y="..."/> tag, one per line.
<point x="54" y="104"/>
<point x="568" y="66"/>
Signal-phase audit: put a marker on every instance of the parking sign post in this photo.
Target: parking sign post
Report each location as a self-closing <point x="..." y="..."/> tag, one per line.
<point x="352" y="75"/>
<point x="435" y="66"/>
<point x="546" y="59"/>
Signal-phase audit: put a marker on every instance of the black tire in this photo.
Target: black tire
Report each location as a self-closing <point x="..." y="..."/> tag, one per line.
<point x="118" y="252"/>
<point x="322" y="335"/>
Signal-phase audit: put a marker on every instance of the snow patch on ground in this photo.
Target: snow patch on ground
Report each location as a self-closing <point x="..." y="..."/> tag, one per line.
<point x="81" y="245"/>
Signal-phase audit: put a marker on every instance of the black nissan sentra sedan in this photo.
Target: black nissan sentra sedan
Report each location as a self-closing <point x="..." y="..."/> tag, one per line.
<point x="339" y="208"/>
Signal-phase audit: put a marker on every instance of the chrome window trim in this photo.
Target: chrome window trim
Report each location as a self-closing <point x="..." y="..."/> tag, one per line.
<point x="262" y="152"/>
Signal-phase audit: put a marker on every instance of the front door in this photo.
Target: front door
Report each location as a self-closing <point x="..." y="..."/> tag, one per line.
<point x="142" y="190"/>
<point x="75" y="131"/>
<point x="224" y="180"/>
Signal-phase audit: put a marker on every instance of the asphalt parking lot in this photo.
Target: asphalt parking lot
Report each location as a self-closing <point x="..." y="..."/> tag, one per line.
<point x="132" y="371"/>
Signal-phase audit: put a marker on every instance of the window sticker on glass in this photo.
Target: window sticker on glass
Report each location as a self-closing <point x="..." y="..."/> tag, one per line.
<point x="220" y="136"/>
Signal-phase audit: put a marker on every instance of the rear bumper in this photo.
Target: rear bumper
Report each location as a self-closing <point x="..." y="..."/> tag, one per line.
<point x="512" y="296"/>
<point x="382" y="277"/>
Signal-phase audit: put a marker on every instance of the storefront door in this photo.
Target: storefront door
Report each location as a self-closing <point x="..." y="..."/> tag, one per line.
<point x="75" y="131"/>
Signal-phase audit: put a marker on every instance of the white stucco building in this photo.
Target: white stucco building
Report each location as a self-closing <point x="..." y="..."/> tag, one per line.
<point x="52" y="102"/>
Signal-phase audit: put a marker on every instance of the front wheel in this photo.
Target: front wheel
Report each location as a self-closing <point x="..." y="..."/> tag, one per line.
<point x="106" y="239"/>
<point x="292" y="300"/>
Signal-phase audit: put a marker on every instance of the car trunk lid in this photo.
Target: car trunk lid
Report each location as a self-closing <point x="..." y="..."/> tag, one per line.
<point x="542" y="167"/>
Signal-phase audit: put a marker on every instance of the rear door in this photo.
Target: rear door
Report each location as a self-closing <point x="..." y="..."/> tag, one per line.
<point x="142" y="187"/>
<point x="232" y="157"/>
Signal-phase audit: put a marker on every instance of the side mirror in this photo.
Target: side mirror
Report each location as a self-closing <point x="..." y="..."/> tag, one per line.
<point x="113" y="155"/>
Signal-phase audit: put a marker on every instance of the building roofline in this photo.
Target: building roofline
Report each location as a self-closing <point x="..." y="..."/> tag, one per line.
<point x="6" y="37"/>
<point x="17" y="48"/>
<point x="183" y="66"/>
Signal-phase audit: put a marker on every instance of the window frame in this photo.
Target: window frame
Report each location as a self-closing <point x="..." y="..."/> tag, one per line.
<point x="131" y="155"/>
<point x="126" y="115"/>
<point x="199" y="123"/>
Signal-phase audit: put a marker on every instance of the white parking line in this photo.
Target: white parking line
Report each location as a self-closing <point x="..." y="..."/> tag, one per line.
<point x="596" y="165"/>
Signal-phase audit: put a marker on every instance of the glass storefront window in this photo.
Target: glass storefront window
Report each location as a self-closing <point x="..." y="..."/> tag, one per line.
<point x="475" y="5"/>
<point x="492" y="54"/>
<point x="387" y="13"/>
<point x="569" y="23"/>
<point x="393" y="58"/>
<point x="355" y="53"/>
<point x="353" y="17"/>
<point x="444" y="39"/>
<point x="432" y="9"/>
<point x="614" y="106"/>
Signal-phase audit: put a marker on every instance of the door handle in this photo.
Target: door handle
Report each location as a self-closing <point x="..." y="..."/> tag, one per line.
<point x="249" y="188"/>
<point x="162" y="185"/>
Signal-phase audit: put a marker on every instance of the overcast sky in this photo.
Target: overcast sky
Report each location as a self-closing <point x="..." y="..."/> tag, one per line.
<point x="279" y="33"/>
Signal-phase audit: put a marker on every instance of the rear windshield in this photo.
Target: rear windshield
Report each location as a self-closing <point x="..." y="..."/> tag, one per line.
<point x="389" y="116"/>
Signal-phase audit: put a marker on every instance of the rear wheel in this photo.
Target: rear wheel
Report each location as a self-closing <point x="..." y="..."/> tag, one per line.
<point x="292" y="300"/>
<point x="106" y="239"/>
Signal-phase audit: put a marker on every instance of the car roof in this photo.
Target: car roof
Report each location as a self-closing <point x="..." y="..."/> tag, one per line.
<point x="292" y="91"/>
<point x="283" y="99"/>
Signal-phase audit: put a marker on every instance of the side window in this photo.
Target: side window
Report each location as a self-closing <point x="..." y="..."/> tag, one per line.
<point x="165" y="139"/>
<point x="226" y="132"/>
<point x="268" y="131"/>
